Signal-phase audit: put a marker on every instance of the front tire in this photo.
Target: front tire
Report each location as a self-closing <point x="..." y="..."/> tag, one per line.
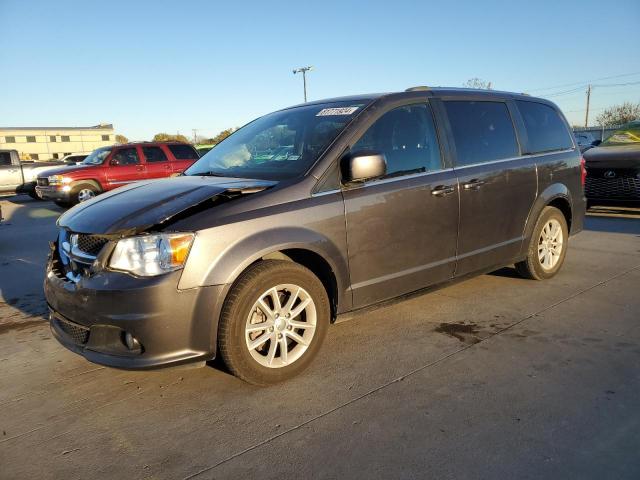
<point x="273" y="322"/>
<point x="547" y="247"/>
<point x="83" y="192"/>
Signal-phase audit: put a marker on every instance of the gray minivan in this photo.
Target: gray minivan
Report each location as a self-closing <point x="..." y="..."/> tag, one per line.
<point x="310" y="212"/>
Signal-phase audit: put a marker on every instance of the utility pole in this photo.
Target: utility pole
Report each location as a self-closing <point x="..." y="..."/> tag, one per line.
<point x="304" y="71"/>
<point x="586" y="117"/>
<point x="195" y="137"/>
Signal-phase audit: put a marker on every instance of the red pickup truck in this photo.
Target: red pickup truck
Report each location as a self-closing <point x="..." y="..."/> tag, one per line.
<point x="111" y="167"/>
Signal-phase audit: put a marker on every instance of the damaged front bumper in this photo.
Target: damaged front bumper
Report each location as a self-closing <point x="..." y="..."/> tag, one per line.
<point x="92" y="315"/>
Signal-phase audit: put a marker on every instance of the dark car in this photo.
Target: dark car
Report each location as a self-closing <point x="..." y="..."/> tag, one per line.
<point x="585" y="141"/>
<point x="308" y="213"/>
<point x="613" y="168"/>
<point x="107" y="168"/>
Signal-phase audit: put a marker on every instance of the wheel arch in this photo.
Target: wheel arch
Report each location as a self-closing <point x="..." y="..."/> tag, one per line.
<point x="320" y="267"/>
<point x="303" y="246"/>
<point x="556" y="195"/>
<point x="89" y="181"/>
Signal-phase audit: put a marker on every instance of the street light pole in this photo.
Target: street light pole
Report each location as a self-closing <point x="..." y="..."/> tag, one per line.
<point x="304" y="71"/>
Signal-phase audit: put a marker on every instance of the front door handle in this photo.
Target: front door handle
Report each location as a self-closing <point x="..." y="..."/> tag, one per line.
<point x="140" y="168"/>
<point x="442" y="190"/>
<point x="474" y="184"/>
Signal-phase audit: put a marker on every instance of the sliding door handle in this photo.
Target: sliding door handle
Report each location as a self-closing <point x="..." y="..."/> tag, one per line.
<point x="442" y="190"/>
<point x="474" y="184"/>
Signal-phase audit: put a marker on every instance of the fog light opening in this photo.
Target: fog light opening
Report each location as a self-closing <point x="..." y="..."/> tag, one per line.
<point x="132" y="342"/>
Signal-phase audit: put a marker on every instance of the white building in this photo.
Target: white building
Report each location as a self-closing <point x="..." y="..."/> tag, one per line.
<point x="45" y="143"/>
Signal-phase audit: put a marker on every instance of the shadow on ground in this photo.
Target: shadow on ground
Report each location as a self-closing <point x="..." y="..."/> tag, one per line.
<point x="25" y="232"/>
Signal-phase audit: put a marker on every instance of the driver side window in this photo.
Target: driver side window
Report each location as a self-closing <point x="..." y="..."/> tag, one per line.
<point x="407" y="137"/>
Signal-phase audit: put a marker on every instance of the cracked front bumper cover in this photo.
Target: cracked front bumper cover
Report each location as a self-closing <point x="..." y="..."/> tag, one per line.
<point x="173" y="326"/>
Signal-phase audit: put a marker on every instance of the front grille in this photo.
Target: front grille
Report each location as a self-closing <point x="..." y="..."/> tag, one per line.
<point x="620" y="188"/>
<point x="77" y="333"/>
<point x="91" y="244"/>
<point x="43" y="182"/>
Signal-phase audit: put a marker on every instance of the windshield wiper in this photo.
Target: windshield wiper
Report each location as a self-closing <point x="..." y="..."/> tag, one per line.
<point x="208" y="174"/>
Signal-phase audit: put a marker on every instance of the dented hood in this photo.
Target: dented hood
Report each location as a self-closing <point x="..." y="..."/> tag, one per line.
<point x="142" y="205"/>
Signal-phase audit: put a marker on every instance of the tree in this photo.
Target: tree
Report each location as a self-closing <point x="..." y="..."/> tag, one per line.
<point x="121" y="139"/>
<point x="221" y="136"/>
<point x="165" y="137"/>
<point x="478" y="83"/>
<point x="619" y="114"/>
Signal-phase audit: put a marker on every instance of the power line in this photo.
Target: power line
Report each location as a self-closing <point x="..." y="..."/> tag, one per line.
<point x="566" y="92"/>
<point x="598" y="85"/>
<point x="617" y="84"/>
<point x="584" y="82"/>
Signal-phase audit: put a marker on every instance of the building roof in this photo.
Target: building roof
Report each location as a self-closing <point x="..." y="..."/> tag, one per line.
<point x="102" y="126"/>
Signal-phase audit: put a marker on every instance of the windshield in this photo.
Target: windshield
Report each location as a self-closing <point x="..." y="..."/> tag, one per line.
<point x="97" y="156"/>
<point x="625" y="135"/>
<point x="622" y="138"/>
<point x="280" y="145"/>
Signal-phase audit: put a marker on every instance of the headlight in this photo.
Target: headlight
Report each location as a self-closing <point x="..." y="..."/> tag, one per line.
<point x="58" y="180"/>
<point x="150" y="255"/>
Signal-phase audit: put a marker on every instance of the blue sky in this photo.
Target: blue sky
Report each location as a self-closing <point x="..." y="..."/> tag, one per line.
<point x="152" y="66"/>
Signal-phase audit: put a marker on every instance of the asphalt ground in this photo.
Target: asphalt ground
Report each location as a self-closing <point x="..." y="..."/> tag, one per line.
<point x="493" y="377"/>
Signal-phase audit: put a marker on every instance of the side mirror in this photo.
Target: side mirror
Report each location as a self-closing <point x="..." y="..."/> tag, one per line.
<point x="363" y="165"/>
<point x="114" y="161"/>
<point x="595" y="143"/>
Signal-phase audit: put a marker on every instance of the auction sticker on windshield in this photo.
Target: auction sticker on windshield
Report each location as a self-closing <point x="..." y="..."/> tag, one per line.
<point x="336" y="111"/>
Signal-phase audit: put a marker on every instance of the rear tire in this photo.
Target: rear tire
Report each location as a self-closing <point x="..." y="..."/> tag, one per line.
<point x="264" y="337"/>
<point x="547" y="247"/>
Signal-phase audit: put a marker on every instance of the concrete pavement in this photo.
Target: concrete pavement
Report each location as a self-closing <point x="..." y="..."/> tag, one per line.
<point x="490" y="378"/>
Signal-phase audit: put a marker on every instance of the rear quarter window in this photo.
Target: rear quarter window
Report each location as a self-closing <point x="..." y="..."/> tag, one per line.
<point x="546" y="130"/>
<point x="183" y="152"/>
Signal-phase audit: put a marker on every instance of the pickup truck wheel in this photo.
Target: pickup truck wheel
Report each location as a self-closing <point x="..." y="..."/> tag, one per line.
<point x="547" y="247"/>
<point x="273" y="322"/>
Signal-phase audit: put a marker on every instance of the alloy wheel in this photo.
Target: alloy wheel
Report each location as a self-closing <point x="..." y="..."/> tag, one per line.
<point x="85" y="194"/>
<point x="281" y="325"/>
<point x="550" y="244"/>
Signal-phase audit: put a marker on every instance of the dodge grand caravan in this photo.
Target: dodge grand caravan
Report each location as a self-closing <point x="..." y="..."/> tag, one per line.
<point x="310" y="212"/>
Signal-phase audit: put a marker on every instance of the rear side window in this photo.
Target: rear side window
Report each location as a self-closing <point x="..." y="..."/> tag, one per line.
<point x="482" y="131"/>
<point x="407" y="137"/>
<point x="183" y="152"/>
<point x="545" y="128"/>
<point x="126" y="156"/>
<point x="154" y="154"/>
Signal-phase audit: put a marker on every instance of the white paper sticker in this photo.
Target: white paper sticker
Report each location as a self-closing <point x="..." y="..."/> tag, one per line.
<point x="336" y="111"/>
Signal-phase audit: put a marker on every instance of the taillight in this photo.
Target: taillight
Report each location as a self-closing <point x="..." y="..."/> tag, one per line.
<point x="583" y="171"/>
